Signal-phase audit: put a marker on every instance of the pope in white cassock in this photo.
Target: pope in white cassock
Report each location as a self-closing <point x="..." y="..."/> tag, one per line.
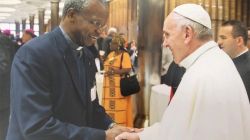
<point x="211" y="102"/>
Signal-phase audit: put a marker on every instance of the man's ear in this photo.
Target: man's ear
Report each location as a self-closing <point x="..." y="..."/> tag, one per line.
<point x="239" y="41"/>
<point x="189" y="34"/>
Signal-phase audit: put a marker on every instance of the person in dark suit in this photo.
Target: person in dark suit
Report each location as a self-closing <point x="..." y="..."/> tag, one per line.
<point x="173" y="76"/>
<point x="28" y="34"/>
<point x="7" y="50"/>
<point x="106" y="42"/>
<point x="233" y="40"/>
<point x="53" y="92"/>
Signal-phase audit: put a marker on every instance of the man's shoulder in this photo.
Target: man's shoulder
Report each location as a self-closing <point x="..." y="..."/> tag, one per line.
<point x="242" y="59"/>
<point x="42" y="46"/>
<point x="248" y="54"/>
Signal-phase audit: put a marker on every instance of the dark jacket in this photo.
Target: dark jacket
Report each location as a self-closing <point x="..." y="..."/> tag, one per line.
<point x="106" y="45"/>
<point x="47" y="100"/>
<point x="173" y="76"/>
<point x="242" y="64"/>
<point x="7" y="50"/>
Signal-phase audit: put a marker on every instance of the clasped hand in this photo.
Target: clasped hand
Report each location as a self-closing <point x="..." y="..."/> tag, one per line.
<point x="122" y="133"/>
<point x="111" y="71"/>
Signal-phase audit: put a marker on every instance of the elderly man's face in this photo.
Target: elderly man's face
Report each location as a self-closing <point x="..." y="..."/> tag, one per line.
<point x="88" y="23"/>
<point x="226" y="41"/>
<point x="174" y="38"/>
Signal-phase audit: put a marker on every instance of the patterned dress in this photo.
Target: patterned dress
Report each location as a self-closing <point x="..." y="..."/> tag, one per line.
<point x="116" y="105"/>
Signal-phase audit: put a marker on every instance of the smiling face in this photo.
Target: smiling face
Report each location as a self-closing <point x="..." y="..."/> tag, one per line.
<point x="85" y="25"/>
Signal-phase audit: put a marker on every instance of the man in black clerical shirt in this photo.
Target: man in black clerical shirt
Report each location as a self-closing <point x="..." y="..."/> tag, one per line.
<point x="53" y="91"/>
<point x="233" y="40"/>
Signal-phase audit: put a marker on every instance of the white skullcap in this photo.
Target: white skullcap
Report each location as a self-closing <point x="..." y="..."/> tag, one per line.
<point x="194" y="12"/>
<point x="112" y="30"/>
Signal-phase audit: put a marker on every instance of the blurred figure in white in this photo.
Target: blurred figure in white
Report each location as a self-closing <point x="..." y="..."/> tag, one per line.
<point x="133" y="52"/>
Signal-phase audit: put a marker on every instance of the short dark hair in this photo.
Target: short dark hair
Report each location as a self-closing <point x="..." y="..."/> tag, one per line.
<point x="239" y="29"/>
<point x="76" y="5"/>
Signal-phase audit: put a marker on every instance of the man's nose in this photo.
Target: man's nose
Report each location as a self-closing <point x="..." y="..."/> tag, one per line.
<point x="219" y="42"/>
<point x="164" y="44"/>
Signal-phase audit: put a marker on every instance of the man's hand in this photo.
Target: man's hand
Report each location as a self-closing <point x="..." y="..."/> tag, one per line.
<point x="115" y="131"/>
<point x="127" y="136"/>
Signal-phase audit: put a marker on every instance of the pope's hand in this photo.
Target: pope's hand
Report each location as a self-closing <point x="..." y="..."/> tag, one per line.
<point x="115" y="131"/>
<point x="127" y="136"/>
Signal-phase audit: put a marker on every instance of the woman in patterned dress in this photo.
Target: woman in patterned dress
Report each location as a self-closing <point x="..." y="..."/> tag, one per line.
<point x="116" y="65"/>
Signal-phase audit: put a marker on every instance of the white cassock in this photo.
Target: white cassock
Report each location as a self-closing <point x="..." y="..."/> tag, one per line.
<point x="210" y="103"/>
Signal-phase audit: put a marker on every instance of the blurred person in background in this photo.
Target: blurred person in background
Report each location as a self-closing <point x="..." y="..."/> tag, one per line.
<point x="7" y="51"/>
<point x="116" y="65"/>
<point x="233" y="40"/>
<point x="99" y="43"/>
<point x="133" y="52"/>
<point x="28" y="34"/>
<point x="106" y="43"/>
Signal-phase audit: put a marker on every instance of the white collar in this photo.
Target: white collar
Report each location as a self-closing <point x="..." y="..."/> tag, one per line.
<point x="190" y="59"/>
<point x="242" y="52"/>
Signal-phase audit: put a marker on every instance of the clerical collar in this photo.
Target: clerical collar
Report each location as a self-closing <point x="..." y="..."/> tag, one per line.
<point x="71" y="43"/>
<point x="242" y="52"/>
<point x="189" y="60"/>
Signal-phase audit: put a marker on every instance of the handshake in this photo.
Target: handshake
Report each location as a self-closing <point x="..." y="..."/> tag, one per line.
<point x="122" y="133"/>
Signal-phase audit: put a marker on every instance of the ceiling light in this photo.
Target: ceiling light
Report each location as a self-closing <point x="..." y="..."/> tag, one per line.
<point x="61" y="4"/>
<point x="47" y="12"/>
<point x="47" y="17"/>
<point x="10" y="2"/>
<point x="46" y="21"/>
<point x="4" y="14"/>
<point x="6" y="9"/>
<point x="36" y="20"/>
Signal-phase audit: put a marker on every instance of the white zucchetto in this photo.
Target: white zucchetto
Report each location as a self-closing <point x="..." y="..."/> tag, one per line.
<point x="194" y="12"/>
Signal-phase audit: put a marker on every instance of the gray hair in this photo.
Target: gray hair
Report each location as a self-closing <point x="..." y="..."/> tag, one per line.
<point x="202" y="32"/>
<point x="76" y="5"/>
<point x="112" y="30"/>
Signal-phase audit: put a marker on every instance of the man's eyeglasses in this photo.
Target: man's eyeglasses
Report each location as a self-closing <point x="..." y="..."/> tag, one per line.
<point x="96" y="23"/>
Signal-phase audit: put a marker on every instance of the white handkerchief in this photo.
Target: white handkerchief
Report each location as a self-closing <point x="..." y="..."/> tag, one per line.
<point x="97" y="63"/>
<point x="93" y="93"/>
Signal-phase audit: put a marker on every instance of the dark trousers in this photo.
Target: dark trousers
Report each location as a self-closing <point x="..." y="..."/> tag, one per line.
<point x="4" y="122"/>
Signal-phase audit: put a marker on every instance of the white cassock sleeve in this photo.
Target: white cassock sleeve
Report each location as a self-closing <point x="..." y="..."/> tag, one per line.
<point x="210" y="103"/>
